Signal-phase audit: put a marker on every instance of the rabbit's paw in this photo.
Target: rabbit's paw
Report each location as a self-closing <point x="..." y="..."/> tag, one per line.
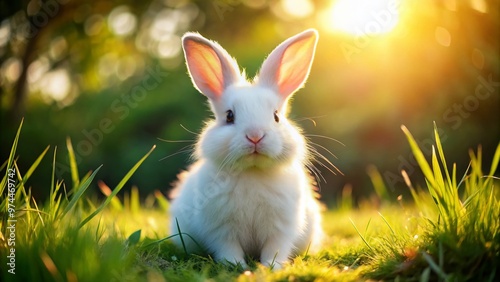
<point x="231" y="255"/>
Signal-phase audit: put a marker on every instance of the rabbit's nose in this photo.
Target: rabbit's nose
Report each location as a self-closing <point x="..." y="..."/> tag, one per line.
<point x="255" y="137"/>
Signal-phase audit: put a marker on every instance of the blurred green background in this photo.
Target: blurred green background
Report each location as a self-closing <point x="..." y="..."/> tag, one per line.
<point x="110" y="75"/>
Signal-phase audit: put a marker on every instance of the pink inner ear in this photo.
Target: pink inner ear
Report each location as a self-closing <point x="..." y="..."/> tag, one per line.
<point x="294" y="66"/>
<point x="205" y="68"/>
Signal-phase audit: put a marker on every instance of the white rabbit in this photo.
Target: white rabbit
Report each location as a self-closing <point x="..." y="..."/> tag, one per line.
<point x="249" y="192"/>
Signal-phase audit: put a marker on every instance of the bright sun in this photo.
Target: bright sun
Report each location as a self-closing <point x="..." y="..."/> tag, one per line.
<point x="356" y="17"/>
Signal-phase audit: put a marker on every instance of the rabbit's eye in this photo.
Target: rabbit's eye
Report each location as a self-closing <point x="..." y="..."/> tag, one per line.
<point x="276" y="117"/>
<point x="229" y="117"/>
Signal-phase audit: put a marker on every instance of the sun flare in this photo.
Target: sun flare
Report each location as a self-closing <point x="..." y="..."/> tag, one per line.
<point x="357" y="17"/>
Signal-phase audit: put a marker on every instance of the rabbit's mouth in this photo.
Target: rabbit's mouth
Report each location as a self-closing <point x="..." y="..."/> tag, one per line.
<point x="254" y="150"/>
<point x="257" y="160"/>
<point x="256" y="153"/>
<point x="260" y="156"/>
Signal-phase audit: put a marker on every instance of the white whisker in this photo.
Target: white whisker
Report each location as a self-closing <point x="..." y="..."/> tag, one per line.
<point x="183" y="150"/>
<point x="324" y="148"/>
<point x="175" y="141"/>
<point x="325" y="137"/>
<point x="192" y="132"/>
<point x="227" y="160"/>
<point x="310" y="118"/>
<point x="320" y="157"/>
<point x="329" y="163"/>
<point x="316" y="172"/>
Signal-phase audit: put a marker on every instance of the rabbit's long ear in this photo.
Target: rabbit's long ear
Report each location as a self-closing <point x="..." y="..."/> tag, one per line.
<point x="287" y="67"/>
<point x="211" y="68"/>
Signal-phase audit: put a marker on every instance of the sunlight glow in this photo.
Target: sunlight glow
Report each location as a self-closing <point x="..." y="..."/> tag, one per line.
<point x="357" y="17"/>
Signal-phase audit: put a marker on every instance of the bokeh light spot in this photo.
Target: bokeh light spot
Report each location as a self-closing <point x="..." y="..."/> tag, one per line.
<point x="443" y="36"/>
<point x="37" y="69"/>
<point x="121" y="21"/>
<point x="165" y="24"/>
<point x="94" y="24"/>
<point x="56" y="84"/>
<point x="479" y="5"/>
<point x="126" y="67"/>
<point x="169" y="47"/>
<point x="107" y="64"/>
<point x="11" y="69"/>
<point x="4" y="33"/>
<point x="297" y="8"/>
<point x="58" y="47"/>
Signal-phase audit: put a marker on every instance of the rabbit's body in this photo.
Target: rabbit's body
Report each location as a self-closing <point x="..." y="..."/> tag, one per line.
<point x="249" y="192"/>
<point x="265" y="215"/>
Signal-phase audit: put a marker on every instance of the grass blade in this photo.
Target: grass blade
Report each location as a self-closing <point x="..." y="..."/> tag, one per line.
<point x="180" y="235"/>
<point x="72" y="163"/>
<point x="134" y="238"/>
<point x="11" y="158"/>
<point x="135" y="204"/>
<point x="162" y="200"/>
<point x="438" y="175"/>
<point x="115" y="202"/>
<point x="419" y="156"/>
<point x="117" y="188"/>
<point x="425" y="275"/>
<point x="388" y="225"/>
<point x="434" y="266"/>
<point x="53" y="189"/>
<point x="378" y="183"/>
<point x="441" y="153"/>
<point x="172" y="236"/>
<point x="79" y="193"/>
<point x="361" y="236"/>
<point x="496" y="160"/>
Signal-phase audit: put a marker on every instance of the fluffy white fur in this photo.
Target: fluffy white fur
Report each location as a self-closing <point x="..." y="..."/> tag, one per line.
<point x="244" y="197"/>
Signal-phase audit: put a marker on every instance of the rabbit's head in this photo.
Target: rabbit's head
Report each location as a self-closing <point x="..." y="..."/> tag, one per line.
<point x="251" y="129"/>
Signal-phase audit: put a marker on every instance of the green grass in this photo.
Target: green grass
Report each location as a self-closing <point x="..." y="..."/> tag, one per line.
<point x="449" y="231"/>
